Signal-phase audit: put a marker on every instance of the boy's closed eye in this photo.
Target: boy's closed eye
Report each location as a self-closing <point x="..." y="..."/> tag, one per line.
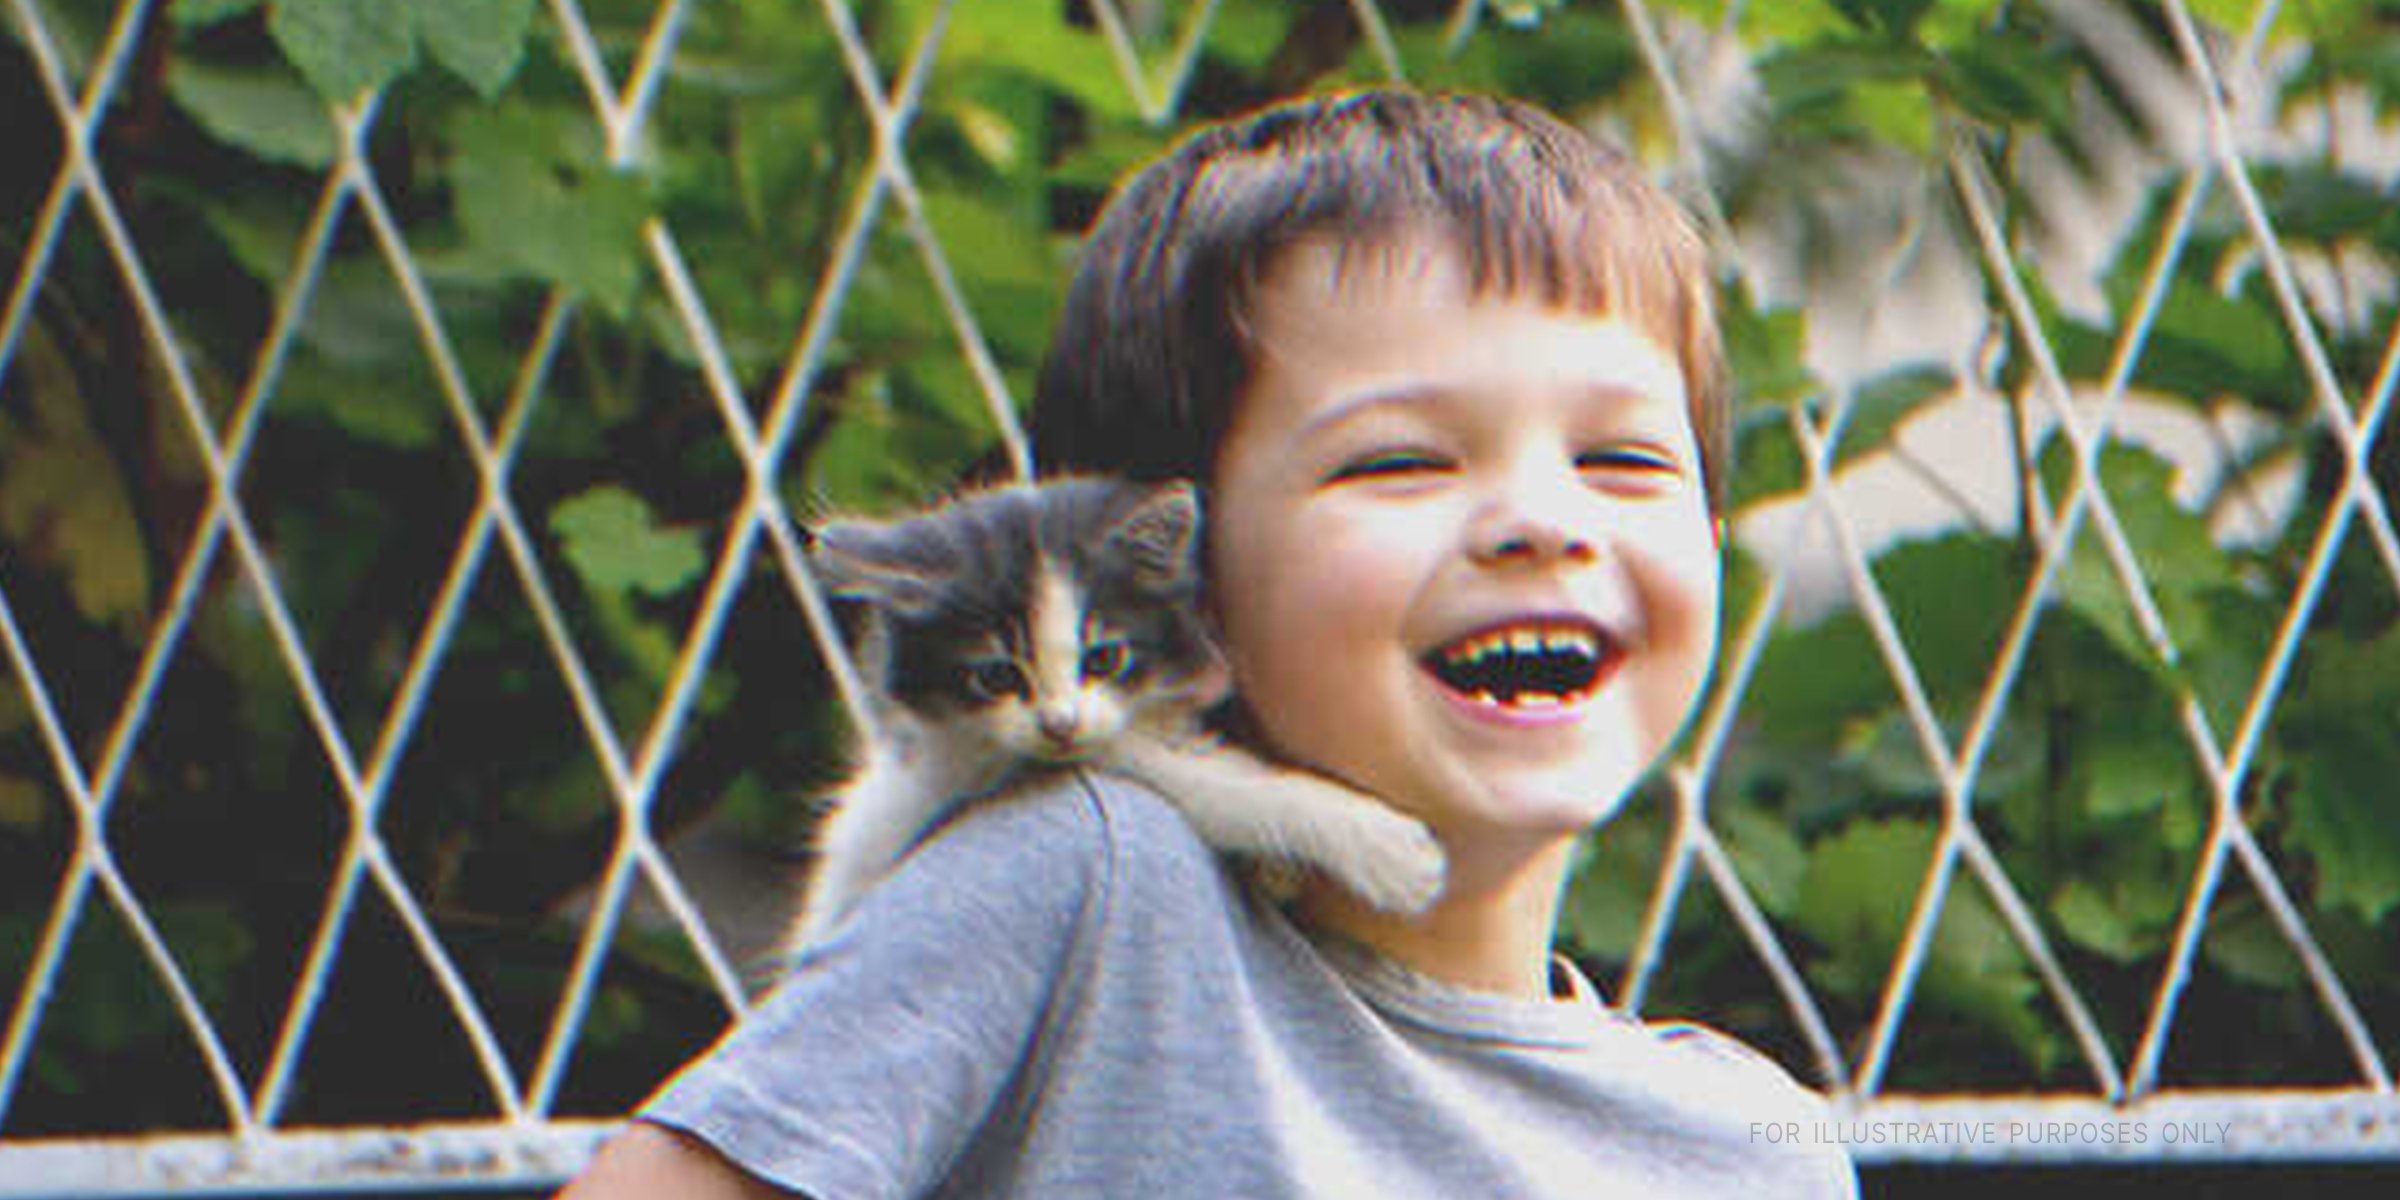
<point x="1630" y="459"/>
<point x="1387" y="464"/>
<point x="1642" y="464"/>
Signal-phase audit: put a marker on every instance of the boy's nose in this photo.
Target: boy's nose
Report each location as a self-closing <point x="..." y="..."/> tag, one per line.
<point x="1533" y="541"/>
<point x="1531" y="529"/>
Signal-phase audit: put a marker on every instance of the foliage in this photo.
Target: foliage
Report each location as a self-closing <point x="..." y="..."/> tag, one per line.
<point x="505" y="283"/>
<point x="2091" y="790"/>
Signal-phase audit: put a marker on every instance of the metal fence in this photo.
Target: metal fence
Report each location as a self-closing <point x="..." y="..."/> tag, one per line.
<point x="2123" y="1113"/>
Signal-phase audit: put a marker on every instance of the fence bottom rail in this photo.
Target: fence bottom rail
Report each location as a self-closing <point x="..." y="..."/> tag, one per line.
<point x="2180" y="1127"/>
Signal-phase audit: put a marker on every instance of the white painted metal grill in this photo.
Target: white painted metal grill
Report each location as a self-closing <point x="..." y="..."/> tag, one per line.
<point x="528" y="1139"/>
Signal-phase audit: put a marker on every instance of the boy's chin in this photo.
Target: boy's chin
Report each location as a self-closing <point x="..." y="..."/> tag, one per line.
<point x="1546" y="810"/>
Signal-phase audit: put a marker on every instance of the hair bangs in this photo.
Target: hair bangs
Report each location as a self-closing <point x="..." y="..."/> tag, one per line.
<point x="1533" y="208"/>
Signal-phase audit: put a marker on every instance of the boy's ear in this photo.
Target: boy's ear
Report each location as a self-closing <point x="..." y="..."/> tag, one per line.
<point x="873" y="564"/>
<point x="1159" y="536"/>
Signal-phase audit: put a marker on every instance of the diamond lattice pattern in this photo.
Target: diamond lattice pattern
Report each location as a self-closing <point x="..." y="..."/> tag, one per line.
<point x="770" y="393"/>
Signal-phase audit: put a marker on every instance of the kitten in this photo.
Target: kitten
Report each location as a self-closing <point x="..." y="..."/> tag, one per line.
<point x="1036" y="627"/>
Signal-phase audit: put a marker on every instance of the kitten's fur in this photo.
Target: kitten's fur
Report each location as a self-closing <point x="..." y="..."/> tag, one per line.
<point x="1036" y="627"/>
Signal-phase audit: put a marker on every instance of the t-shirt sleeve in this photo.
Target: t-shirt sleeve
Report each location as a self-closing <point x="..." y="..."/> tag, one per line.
<point x="869" y="1068"/>
<point x="1814" y="1166"/>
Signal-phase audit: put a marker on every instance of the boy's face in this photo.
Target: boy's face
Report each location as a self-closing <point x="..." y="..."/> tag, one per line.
<point x="1461" y="546"/>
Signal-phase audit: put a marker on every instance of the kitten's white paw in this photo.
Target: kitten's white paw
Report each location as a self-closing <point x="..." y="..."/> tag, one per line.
<point x="1392" y="862"/>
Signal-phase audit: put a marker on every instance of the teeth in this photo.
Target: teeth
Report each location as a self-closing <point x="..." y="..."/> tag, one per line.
<point x="1523" y="639"/>
<point x="1530" y="665"/>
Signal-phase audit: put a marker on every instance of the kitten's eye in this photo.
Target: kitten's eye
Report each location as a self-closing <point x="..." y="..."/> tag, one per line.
<point x="1107" y="660"/>
<point x="993" y="678"/>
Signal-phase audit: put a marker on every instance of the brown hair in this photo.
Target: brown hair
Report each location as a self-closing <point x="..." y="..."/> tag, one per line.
<point x="1150" y="352"/>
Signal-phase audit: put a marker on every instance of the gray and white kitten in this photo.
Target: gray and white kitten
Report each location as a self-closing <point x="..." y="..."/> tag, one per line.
<point x="1034" y="627"/>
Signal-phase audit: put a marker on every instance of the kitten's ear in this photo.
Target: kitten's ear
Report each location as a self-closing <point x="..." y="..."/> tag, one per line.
<point x="871" y="563"/>
<point x="1159" y="535"/>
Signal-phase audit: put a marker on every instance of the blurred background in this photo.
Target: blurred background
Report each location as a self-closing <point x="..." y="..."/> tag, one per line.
<point x="411" y="707"/>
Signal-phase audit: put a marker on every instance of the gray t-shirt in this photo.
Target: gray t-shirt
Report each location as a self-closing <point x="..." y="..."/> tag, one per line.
<point x="1066" y="994"/>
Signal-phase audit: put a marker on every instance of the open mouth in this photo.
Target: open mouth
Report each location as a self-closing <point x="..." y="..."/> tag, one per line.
<point x="1533" y="664"/>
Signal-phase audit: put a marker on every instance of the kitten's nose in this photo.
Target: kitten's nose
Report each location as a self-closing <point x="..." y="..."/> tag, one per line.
<point x="1058" y="725"/>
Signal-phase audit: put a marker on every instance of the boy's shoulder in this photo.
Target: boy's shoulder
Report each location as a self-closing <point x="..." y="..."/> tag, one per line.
<point x="1736" y="1095"/>
<point x="1717" y="1068"/>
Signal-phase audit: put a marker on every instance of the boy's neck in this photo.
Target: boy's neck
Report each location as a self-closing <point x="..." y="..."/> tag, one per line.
<point x="1489" y="932"/>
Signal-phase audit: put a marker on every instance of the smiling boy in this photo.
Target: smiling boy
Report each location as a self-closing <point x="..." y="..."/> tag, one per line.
<point x="1448" y="373"/>
<point x="1430" y="507"/>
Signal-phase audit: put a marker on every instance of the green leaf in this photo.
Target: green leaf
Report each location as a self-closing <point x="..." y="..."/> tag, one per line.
<point x="533" y="192"/>
<point x="2322" y="21"/>
<point x="1767" y="353"/>
<point x="1767" y="854"/>
<point x="1788" y="24"/>
<point x="1009" y="275"/>
<point x="860" y="466"/>
<point x="264" y="111"/>
<point x="2182" y="566"/>
<point x="1884" y="403"/>
<point x="986" y="241"/>
<point x="1897" y="112"/>
<point x="365" y="368"/>
<point x="1582" y="59"/>
<point x="2342" y="732"/>
<point x="2089" y="587"/>
<point x="2369" y="60"/>
<point x="1105" y="157"/>
<point x="345" y="47"/>
<point x="615" y="543"/>
<point x="1616" y="869"/>
<point x="259" y="234"/>
<point x="1247" y="36"/>
<point x="2204" y="343"/>
<point x="2137" y="880"/>
<point x="2005" y="83"/>
<point x="23" y="805"/>
<point x="76" y="29"/>
<point x="1857" y="900"/>
<point x="574" y="797"/>
<point x="2097" y="923"/>
<point x="1036" y="41"/>
<point x="1812" y="683"/>
<point x="1766" y="457"/>
<point x="200" y="14"/>
<point x="1897" y="18"/>
<point x="1812" y="89"/>
<point x="2243" y="942"/>
<point x="1953" y="23"/>
<point x="1856" y="897"/>
<point x="2130" y="774"/>
<point x="63" y="501"/>
<point x="366" y="404"/>
<point x="2321" y="203"/>
<point x="480" y="41"/>
<point x="1953" y="598"/>
<point x="1890" y="757"/>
